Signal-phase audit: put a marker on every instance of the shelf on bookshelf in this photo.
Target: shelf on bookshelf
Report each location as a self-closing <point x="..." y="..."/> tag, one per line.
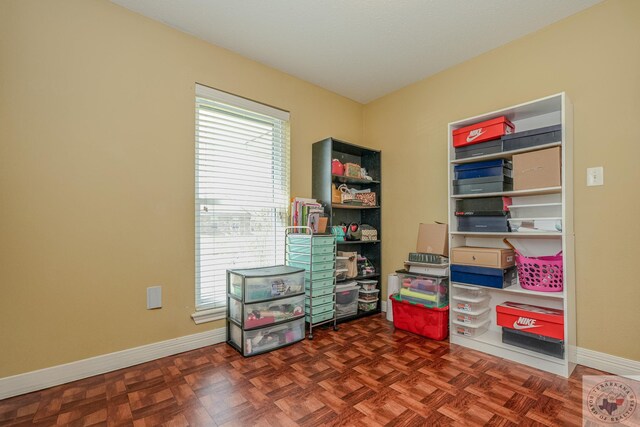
<point x="532" y="192"/>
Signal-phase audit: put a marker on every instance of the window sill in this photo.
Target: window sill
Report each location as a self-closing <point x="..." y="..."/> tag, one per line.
<point x="210" y="315"/>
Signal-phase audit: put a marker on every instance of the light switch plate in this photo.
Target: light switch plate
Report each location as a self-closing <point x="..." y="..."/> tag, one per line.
<point x="154" y="297"/>
<point x="595" y="176"/>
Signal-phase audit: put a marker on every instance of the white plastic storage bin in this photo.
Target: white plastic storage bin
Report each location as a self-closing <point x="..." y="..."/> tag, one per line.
<point x="368" y="285"/>
<point x="256" y="284"/>
<point x="469" y="330"/>
<point x="367" y="305"/>
<point x="347" y="299"/>
<point x="267" y="312"/>
<point x="265" y="339"/>
<point x="368" y="295"/>
<point x="471" y="317"/>
<point x="469" y="291"/>
<point x="468" y="303"/>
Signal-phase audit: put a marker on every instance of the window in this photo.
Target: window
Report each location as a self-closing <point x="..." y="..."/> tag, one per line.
<point x="242" y="190"/>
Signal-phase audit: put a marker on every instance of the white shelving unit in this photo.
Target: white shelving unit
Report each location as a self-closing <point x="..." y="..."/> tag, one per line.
<point x="552" y="110"/>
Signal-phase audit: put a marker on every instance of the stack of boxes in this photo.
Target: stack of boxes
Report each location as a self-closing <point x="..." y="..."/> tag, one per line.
<point x="422" y="305"/>
<point x="474" y="269"/>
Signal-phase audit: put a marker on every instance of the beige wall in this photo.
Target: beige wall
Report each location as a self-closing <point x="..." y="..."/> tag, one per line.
<point x="96" y="175"/>
<point x="594" y="56"/>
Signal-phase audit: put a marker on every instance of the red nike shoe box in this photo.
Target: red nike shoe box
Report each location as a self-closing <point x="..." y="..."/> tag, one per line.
<point x="483" y="131"/>
<point x="533" y="319"/>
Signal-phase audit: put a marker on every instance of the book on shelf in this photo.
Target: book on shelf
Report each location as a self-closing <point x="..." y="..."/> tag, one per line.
<point x="307" y="212"/>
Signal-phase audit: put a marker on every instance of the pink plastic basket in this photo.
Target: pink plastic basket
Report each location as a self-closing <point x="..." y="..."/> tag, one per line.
<point x="542" y="274"/>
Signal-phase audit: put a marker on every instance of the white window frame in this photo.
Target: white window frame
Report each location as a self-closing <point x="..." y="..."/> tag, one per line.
<point x="204" y="313"/>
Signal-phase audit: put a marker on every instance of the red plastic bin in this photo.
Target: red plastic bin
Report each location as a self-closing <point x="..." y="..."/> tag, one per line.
<point x="483" y="131"/>
<point x="429" y="322"/>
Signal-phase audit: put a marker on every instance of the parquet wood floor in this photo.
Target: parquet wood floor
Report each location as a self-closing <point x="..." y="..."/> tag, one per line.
<point x="365" y="374"/>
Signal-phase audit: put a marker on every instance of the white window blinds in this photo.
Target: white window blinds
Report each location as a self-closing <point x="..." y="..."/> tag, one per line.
<point x="242" y="189"/>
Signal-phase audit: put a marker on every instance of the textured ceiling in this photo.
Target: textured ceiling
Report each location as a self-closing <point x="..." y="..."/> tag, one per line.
<point x="361" y="49"/>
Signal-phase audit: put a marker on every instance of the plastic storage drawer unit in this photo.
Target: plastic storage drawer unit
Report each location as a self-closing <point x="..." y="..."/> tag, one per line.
<point x="416" y="318"/>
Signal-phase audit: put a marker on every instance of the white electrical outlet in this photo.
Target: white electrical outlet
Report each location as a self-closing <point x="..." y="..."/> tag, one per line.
<point x="154" y="297"/>
<point x="595" y="176"/>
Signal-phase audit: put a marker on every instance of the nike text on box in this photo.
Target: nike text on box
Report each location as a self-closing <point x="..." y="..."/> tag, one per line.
<point x="548" y="322"/>
<point x="483" y="131"/>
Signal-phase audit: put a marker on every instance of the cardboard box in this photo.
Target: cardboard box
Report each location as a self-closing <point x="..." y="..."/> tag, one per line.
<point x="537" y="169"/>
<point x="433" y="239"/>
<point x="483" y="257"/>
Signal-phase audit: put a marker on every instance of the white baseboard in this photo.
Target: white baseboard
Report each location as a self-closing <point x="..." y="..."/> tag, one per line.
<point x="48" y="377"/>
<point x="383" y="306"/>
<point x="606" y="362"/>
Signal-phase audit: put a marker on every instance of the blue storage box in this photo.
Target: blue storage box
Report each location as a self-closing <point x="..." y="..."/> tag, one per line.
<point x="495" y="167"/>
<point x="484" y="276"/>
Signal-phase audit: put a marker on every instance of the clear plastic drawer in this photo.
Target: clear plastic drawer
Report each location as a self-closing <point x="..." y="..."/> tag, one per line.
<point x="267" y="312"/>
<point x="261" y="287"/>
<point x="265" y="339"/>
